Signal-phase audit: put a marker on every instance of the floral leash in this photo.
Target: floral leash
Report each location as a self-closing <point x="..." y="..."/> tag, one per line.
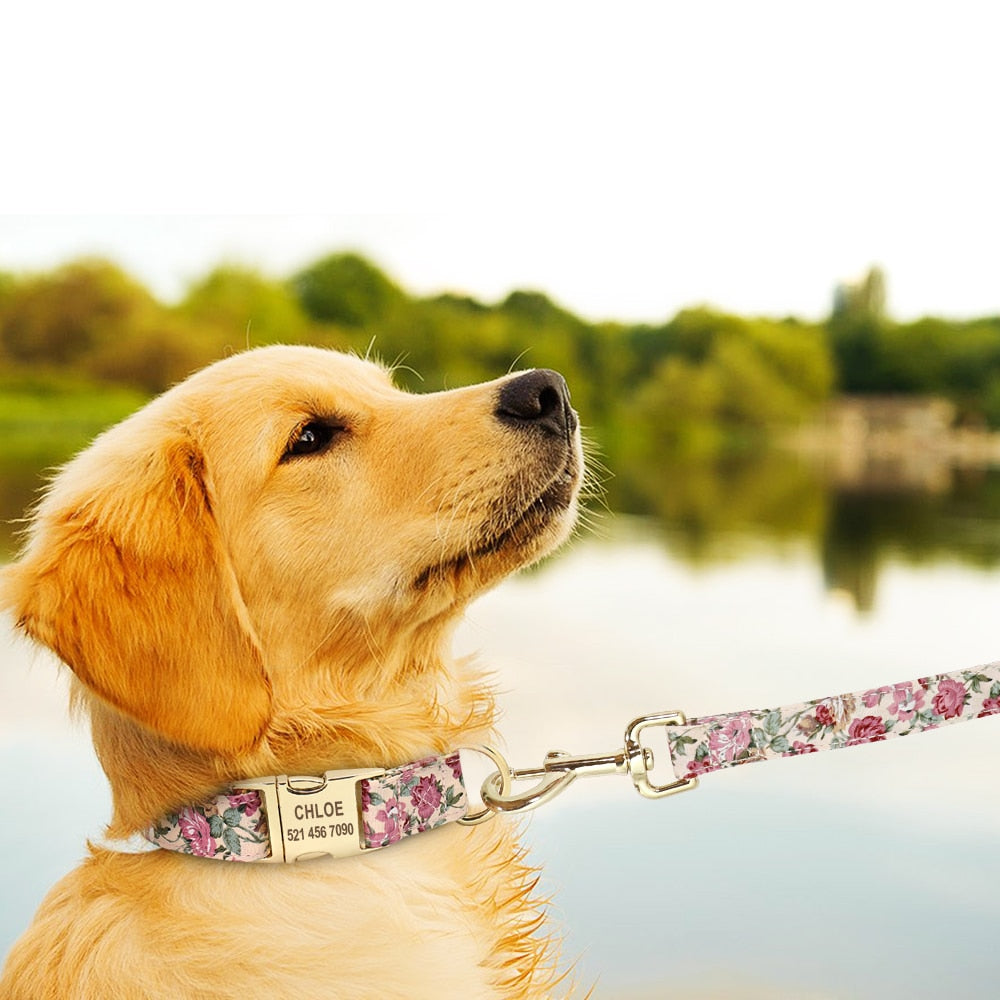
<point x="718" y="741"/>
<point x="343" y="813"/>
<point x="714" y="742"/>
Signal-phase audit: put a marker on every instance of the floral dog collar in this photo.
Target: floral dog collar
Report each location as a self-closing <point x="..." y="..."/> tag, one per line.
<point x="340" y="813"/>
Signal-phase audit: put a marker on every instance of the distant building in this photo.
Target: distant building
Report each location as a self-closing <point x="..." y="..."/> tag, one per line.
<point x="864" y="299"/>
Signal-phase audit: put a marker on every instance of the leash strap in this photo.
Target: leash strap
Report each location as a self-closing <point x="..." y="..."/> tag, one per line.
<point x="344" y="813"/>
<point x="711" y="743"/>
<point x="714" y="742"/>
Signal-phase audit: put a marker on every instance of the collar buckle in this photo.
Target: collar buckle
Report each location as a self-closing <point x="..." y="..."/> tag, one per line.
<point x="314" y="816"/>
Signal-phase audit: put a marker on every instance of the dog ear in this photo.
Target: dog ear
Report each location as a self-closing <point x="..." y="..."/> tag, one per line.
<point x="125" y="579"/>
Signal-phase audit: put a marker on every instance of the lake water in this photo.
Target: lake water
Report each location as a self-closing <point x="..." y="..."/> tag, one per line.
<point x="863" y="874"/>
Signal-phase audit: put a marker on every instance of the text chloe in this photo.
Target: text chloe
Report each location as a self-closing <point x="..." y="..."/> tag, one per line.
<point x="316" y="810"/>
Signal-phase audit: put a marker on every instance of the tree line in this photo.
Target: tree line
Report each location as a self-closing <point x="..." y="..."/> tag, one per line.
<point x="699" y="383"/>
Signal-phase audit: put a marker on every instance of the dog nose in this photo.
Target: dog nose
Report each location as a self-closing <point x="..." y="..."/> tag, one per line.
<point x="539" y="398"/>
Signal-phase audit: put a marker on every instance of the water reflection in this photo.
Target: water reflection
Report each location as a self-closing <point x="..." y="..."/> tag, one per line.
<point x="709" y="511"/>
<point x="960" y="521"/>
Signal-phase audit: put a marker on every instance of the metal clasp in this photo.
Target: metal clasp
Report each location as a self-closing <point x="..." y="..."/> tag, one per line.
<point x="313" y="816"/>
<point x="641" y="758"/>
<point x="559" y="770"/>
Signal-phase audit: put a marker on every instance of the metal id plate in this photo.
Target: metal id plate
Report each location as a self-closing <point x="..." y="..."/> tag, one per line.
<point x="321" y="816"/>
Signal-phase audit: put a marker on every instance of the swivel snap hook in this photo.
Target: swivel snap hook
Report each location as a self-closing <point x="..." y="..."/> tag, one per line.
<point x="560" y="769"/>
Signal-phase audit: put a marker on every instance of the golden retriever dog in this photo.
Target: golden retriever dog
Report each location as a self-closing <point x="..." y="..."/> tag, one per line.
<point x="259" y="574"/>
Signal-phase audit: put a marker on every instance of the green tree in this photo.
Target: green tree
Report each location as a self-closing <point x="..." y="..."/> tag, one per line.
<point x="245" y="306"/>
<point x="723" y="379"/>
<point x="60" y="319"/>
<point x="857" y="325"/>
<point x="164" y="350"/>
<point x="346" y="289"/>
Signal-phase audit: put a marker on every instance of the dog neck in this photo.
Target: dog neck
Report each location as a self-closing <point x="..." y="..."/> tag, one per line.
<point x="333" y="725"/>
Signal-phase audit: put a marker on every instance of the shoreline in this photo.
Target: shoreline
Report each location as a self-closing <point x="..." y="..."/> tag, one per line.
<point x="893" y="443"/>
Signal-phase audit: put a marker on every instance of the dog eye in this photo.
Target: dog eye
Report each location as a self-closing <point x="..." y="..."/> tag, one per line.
<point x="311" y="438"/>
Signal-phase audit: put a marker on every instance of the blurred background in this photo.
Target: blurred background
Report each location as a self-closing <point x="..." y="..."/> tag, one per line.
<point x="760" y="241"/>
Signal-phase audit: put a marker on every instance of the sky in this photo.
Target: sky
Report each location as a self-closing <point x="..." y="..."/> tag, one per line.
<point x="628" y="160"/>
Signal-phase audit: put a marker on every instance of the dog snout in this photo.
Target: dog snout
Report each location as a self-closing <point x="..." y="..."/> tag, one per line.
<point x="538" y="399"/>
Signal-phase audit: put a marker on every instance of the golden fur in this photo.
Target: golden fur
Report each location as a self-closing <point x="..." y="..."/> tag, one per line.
<point x="231" y="609"/>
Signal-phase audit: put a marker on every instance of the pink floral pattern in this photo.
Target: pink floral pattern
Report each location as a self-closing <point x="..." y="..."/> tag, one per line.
<point x="230" y="827"/>
<point x="714" y="742"/>
<point x="403" y="801"/>
<point x="730" y="739"/>
<point x="950" y="698"/>
<point x="412" y="799"/>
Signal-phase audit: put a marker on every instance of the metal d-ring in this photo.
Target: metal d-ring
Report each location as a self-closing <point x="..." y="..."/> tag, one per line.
<point x="502" y="773"/>
<point x="496" y="792"/>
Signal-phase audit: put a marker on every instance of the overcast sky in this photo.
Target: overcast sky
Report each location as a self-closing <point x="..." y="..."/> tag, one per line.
<point x="628" y="159"/>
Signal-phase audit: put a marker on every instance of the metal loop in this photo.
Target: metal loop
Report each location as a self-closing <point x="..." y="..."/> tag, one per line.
<point x="502" y="773"/>
<point x="498" y="797"/>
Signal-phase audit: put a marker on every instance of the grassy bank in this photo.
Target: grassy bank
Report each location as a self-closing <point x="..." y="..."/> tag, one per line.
<point x="51" y="419"/>
<point x="43" y="423"/>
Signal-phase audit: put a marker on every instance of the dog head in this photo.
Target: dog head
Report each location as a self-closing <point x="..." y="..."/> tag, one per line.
<point x="286" y="510"/>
